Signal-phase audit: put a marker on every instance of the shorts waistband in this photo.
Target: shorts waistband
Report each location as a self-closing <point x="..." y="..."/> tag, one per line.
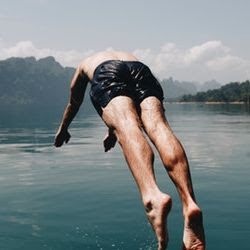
<point x="115" y="61"/>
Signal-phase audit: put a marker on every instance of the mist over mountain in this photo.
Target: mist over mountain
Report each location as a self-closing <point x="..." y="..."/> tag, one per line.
<point x="173" y="88"/>
<point x="208" y="85"/>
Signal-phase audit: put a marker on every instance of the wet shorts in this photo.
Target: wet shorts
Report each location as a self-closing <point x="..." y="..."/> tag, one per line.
<point x="127" y="78"/>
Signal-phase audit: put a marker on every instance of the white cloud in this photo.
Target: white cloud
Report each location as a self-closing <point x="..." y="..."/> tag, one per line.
<point x="226" y="62"/>
<point x="205" y="51"/>
<point x="27" y="48"/>
<point x="210" y="60"/>
<point x="144" y="54"/>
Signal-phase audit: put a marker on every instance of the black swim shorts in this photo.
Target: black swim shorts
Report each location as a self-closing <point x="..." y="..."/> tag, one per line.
<point x="127" y="78"/>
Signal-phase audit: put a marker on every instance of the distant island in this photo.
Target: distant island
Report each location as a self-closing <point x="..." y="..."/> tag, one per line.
<point x="43" y="85"/>
<point x="234" y="92"/>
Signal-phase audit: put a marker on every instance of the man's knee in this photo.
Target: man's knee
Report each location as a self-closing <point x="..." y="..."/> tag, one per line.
<point x="152" y="128"/>
<point x="152" y="117"/>
<point x="133" y="137"/>
<point x="128" y="131"/>
<point x="156" y="130"/>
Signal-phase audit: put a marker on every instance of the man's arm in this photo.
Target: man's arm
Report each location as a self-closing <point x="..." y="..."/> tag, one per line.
<point x="77" y="90"/>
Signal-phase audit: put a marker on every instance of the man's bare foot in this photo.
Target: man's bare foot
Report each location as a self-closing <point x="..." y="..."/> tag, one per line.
<point x="193" y="237"/>
<point x="157" y="209"/>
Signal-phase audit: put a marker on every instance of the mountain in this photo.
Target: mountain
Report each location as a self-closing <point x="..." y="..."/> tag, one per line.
<point x="231" y="92"/>
<point x="213" y="84"/>
<point x="174" y="89"/>
<point x="30" y="84"/>
<point x="27" y="81"/>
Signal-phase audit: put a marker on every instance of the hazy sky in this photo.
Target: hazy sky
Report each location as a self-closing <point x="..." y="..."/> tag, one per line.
<point x="190" y="39"/>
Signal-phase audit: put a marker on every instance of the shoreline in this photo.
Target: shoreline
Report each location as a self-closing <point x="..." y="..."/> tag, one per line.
<point x="208" y="103"/>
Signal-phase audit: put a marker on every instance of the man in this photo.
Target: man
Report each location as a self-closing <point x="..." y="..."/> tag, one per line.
<point x="129" y="99"/>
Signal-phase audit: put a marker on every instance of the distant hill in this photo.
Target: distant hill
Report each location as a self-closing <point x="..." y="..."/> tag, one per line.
<point x="174" y="89"/>
<point x="232" y="92"/>
<point x="41" y="84"/>
<point x="213" y="84"/>
<point x="27" y="81"/>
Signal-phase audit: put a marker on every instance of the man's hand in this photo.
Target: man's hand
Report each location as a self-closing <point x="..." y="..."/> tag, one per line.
<point x="109" y="141"/>
<point x="61" y="137"/>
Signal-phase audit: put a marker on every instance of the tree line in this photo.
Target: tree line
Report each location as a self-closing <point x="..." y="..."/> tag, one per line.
<point x="231" y="92"/>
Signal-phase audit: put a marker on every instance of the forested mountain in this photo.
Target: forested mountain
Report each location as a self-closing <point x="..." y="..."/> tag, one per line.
<point x="27" y="81"/>
<point x="35" y="86"/>
<point x="232" y="92"/>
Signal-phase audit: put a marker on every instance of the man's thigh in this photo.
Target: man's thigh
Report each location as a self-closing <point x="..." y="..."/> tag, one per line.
<point x="152" y="111"/>
<point x="120" y="113"/>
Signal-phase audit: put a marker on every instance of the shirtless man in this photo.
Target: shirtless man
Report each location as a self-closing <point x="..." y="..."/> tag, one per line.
<point x="129" y="100"/>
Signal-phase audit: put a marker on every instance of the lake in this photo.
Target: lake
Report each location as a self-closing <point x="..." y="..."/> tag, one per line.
<point x="78" y="197"/>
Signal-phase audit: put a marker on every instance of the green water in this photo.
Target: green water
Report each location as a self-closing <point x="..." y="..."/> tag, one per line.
<point x="78" y="197"/>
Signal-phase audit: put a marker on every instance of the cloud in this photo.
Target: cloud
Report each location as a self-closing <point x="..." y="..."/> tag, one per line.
<point x="209" y="60"/>
<point x="226" y="62"/>
<point x="27" y="48"/>
<point x="205" y="51"/>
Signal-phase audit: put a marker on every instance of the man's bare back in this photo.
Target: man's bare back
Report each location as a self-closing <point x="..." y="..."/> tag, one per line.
<point x="89" y="64"/>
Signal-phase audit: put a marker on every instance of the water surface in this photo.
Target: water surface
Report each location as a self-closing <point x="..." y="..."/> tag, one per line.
<point x="78" y="197"/>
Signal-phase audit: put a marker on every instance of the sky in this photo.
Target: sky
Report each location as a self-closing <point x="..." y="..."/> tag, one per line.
<point x="192" y="40"/>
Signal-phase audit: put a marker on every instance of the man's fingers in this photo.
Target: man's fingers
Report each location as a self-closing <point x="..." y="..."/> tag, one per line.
<point x="108" y="146"/>
<point x="61" y="138"/>
<point x="67" y="138"/>
<point x="57" y="144"/>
